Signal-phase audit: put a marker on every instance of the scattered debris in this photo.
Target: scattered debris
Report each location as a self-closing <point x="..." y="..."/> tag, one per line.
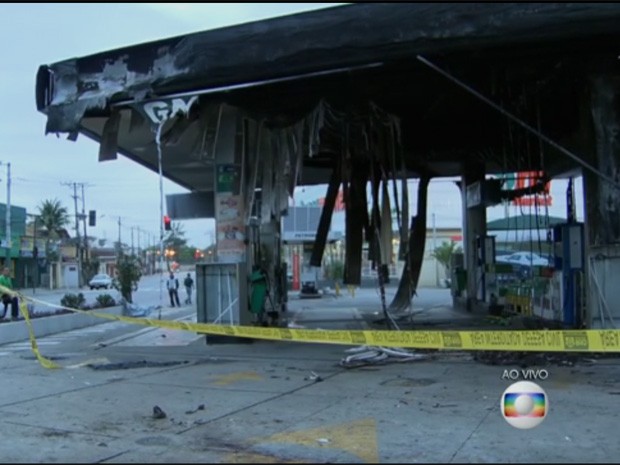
<point x="438" y="405"/>
<point x="200" y="407"/>
<point x="129" y="365"/>
<point x="323" y="441"/>
<point x="130" y="309"/>
<point x="158" y="413"/>
<point x="102" y="444"/>
<point x="527" y="359"/>
<point x="364" y="355"/>
<point x="313" y="377"/>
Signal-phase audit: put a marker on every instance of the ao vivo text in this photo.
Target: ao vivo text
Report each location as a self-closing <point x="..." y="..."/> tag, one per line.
<point x="525" y="374"/>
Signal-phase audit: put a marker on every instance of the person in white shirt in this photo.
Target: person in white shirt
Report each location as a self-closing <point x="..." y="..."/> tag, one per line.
<point x="173" y="290"/>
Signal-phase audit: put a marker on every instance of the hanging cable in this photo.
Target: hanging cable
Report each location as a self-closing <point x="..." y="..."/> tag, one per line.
<point x="530" y="167"/>
<point x="549" y="141"/>
<point x="541" y="160"/>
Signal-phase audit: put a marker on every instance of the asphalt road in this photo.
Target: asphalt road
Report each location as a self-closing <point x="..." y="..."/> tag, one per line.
<point x="279" y="402"/>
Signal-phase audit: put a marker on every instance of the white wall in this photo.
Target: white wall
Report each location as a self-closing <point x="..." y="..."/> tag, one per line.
<point x="70" y="275"/>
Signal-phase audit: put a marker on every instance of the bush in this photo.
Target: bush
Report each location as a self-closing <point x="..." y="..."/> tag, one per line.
<point x="73" y="301"/>
<point x="129" y="271"/>
<point x="105" y="300"/>
<point x="335" y="271"/>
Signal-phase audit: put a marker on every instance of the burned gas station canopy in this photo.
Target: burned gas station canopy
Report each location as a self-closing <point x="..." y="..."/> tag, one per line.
<point x="532" y="58"/>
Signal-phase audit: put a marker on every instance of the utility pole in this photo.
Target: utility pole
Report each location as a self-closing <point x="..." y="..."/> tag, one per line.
<point x="119" y="236"/>
<point x="77" y="231"/>
<point x="84" y="219"/>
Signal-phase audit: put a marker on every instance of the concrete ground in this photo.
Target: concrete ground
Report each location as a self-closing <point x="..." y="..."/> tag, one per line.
<point x="262" y="403"/>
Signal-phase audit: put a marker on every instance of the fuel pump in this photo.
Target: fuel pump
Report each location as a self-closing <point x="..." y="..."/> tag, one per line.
<point x="568" y="248"/>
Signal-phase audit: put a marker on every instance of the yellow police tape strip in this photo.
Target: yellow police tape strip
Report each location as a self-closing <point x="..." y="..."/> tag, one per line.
<point x="493" y="340"/>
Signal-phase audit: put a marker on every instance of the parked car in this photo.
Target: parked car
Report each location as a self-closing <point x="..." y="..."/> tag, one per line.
<point x="523" y="262"/>
<point x="524" y="259"/>
<point x="100" y="281"/>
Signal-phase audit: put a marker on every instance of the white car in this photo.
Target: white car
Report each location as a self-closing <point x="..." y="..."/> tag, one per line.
<point x="100" y="281"/>
<point x="524" y="259"/>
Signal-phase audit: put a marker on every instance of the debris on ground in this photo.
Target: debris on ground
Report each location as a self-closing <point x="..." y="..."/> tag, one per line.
<point x="313" y="377"/>
<point x="526" y="359"/>
<point x="158" y="413"/>
<point x="364" y="355"/>
<point x="323" y="441"/>
<point x="134" y="364"/>
<point x="200" y="407"/>
<point x="134" y="310"/>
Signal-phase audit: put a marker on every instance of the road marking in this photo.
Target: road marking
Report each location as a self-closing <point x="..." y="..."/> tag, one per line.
<point x="225" y="380"/>
<point x="357" y="437"/>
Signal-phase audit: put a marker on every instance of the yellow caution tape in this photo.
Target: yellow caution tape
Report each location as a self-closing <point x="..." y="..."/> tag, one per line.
<point x="493" y="340"/>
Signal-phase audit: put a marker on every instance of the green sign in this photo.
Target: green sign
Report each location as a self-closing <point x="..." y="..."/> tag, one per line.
<point x="228" y="178"/>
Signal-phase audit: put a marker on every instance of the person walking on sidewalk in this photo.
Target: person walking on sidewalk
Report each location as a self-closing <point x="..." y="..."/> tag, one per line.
<point x="189" y="286"/>
<point x="5" y="281"/>
<point x="173" y="290"/>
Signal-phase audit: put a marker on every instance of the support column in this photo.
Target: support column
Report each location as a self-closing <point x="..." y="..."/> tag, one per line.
<point x="230" y="212"/>
<point x="602" y="207"/>
<point x="475" y="225"/>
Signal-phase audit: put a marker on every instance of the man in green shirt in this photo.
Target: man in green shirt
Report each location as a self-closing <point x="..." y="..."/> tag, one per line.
<point x="5" y="281"/>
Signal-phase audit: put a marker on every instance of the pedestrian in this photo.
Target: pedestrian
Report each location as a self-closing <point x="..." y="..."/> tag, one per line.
<point x="173" y="290"/>
<point x="189" y="286"/>
<point x="5" y="281"/>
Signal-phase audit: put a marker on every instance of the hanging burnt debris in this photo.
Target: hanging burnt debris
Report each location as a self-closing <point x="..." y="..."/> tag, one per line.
<point x="370" y="154"/>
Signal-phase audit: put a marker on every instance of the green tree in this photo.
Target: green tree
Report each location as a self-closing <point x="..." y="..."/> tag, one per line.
<point x="443" y="254"/>
<point x="129" y="272"/>
<point x="53" y="216"/>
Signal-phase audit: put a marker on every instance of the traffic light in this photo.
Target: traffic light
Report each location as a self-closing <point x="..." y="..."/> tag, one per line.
<point x="167" y="225"/>
<point x="92" y="218"/>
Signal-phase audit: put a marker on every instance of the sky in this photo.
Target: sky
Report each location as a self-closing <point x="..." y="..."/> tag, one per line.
<point x="36" y="34"/>
<point x="41" y="166"/>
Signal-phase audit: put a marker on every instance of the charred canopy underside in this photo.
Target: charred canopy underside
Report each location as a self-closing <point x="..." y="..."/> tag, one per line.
<point x="534" y="59"/>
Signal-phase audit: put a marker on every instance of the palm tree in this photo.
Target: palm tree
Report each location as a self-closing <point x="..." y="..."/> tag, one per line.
<point x="54" y="217"/>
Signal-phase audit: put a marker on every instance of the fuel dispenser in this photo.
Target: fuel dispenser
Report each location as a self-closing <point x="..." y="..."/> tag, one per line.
<point x="568" y="248"/>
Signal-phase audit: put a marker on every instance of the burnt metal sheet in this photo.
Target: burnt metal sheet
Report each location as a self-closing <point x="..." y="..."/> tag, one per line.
<point x="299" y="44"/>
<point x="286" y="71"/>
